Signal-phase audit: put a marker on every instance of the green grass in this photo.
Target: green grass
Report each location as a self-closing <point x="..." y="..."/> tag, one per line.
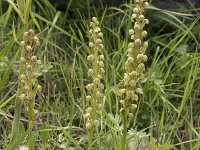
<point x="169" y="110"/>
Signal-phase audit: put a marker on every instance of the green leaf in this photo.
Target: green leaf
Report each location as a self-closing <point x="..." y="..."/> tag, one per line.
<point x="44" y="134"/>
<point x="21" y="129"/>
<point x="164" y="147"/>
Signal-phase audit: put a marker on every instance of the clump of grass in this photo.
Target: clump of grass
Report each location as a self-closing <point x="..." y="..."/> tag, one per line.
<point x="134" y="66"/>
<point x="95" y="89"/>
<point x="171" y="80"/>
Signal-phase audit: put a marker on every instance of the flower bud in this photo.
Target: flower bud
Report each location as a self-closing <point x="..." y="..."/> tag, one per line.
<point x="22" y="60"/>
<point x="39" y="62"/>
<point x="22" y="43"/>
<point x="101" y="46"/>
<point x="96" y="123"/>
<point x="123" y="91"/>
<point x="146" y="21"/>
<point x="35" y="38"/>
<point x="91" y="31"/>
<point x="139" y="57"/>
<point x="141" y="17"/>
<point x="144" y="34"/>
<point x="101" y="57"/>
<point x="90" y="58"/>
<point x="130" y="114"/>
<point x="144" y="58"/>
<point x="134" y="106"/>
<point x="91" y="44"/>
<point x="121" y="110"/>
<point x="37" y="43"/>
<point x="136" y="10"/>
<point x="132" y="37"/>
<point x="134" y="16"/>
<point x="22" y="97"/>
<point x="138" y="41"/>
<point x="135" y="97"/>
<point x="102" y="70"/>
<point x="94" y="19"/>
<point x="131" y="32"/>
<point x="101" y="86"/>
<point x="25" y="34"/>
<point x="98" y="29"/>
<point x="141" y="67"/>
<point x="86" y="116"/>
<point x="101" y="64"/>
<point x="145" y="44"/>
<point x="29" y="48"/>
<point x="134" y="73"/>
<point x="31" y="31"/>
<point x="130" y="60"/>
<point x="132" y="83"/>
<point x="34" y="59"/>
<point x="130" y="45"/>
<point x="99" y="95"/>
<point x="99" y="76"/>
<point x="96" y="81"/>
<point x="88" y="125"/>
<point x="99" y="41"/>
<point x="139" y="90"/>
<point x="91" y="24"/>
<point x="130" y="50"/>
<point x="136" y="27"/>
<point x="89" y="109"/>
<point x="39" y="88"/>
<point x="122" y="102"/>
<point x="29" y="67"/>
<point x="89" y="87"/>
<point x="27" y="88"/>
<point x="88" y="98"/>
<point x="90" y="72"/>
<point x="146" y="4"/>
<point x="100" y="35"/>
<point x="23" y="77"/>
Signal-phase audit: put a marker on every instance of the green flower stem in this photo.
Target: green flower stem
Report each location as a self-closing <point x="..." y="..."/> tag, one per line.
<point x="94" y="101"/>
<point x="96" y="87"/>
<point x="125" y="124"/>
<point x="31" y="117"/>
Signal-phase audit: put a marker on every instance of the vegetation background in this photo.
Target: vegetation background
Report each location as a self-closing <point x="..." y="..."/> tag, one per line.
<point x="167" y="114"/>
